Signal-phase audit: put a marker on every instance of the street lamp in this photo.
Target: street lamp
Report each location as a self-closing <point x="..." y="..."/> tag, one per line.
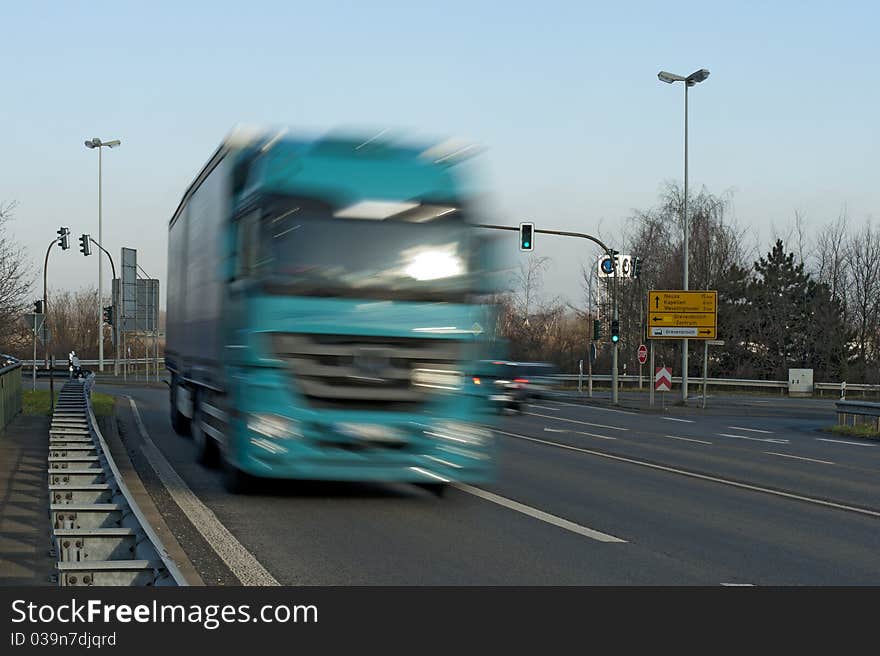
<point x="92" y="144"/>
<point x="689" y="81"/>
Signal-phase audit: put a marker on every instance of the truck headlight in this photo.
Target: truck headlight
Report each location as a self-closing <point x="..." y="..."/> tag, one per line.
<point x="461" y="432"/>
<point x="274" y="426"/>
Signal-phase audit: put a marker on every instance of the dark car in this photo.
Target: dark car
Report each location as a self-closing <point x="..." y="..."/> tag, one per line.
<point x="501" y="381"/>
<point x="538" y="378"/>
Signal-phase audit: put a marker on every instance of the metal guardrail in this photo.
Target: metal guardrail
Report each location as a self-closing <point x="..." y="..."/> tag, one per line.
<point x="852" y="413"/>
<point x="61" y="363"/>
<point x="100" y="535"/>
<point x="10" y="393"/>
<point x="730" y="382"/>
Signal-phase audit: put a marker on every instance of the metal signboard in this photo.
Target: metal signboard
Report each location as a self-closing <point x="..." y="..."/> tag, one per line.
<point x="663" y="379"/>
<point x="677" y="314"/>
<point x="624" y="266"/>
<point x="34" y="321"/>
<point x="146" y="314"/>
<point x="129" y="284"/>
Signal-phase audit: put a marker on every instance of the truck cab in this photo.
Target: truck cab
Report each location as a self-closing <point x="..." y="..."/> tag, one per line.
<point x="322" y="318"/>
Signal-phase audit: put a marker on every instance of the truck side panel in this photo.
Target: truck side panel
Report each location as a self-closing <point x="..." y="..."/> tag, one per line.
<point x="196" y="261"/>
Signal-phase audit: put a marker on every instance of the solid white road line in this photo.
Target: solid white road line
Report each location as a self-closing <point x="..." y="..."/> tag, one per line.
<point x="686" y="421"/>
<point x="239" y="560"/>
<point x="822" y="439"/>
<point x="538" y="514"/>
<point x="686" y="439"/>
<point x="773" y="440"/>
<point x="751" y="430"/>
<point x="576" y="421"/>
<point x="788" y="455"/>
<point x="704" y="477"/>
<point x="543" y="407"/>
<point x="738" y="585"/>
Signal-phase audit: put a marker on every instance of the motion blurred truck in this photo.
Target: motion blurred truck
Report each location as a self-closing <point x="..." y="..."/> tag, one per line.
<point x="325" y="313"/>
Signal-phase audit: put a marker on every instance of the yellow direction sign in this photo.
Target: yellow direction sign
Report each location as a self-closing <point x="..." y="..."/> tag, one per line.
<point x="677" y="314"/>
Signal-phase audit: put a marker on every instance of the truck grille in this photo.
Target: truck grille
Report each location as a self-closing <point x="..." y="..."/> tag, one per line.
<point x="359" y="372"/>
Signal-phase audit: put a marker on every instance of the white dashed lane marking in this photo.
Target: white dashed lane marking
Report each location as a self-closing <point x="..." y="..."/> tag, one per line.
<point x="772" y="440"/>
<point x="823" y="439"/>
<point x="751" y="430"/>
<point x="686" y="439"/>
<point x="788" y="455"/>
<point x="577" y="421"/>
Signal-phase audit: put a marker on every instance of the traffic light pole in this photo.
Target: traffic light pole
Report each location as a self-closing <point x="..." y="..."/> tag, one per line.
<point x="610" y="253"/>
<point x="45" y="307"/>
<point x="114" y="304"/>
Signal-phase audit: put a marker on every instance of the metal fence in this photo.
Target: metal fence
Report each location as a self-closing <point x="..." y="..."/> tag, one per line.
<point x="10" y="393"/>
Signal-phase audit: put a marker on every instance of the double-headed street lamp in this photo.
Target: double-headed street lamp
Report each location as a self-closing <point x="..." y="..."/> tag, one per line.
<point x="97" y="143"/>
<point x="689" y="81"/>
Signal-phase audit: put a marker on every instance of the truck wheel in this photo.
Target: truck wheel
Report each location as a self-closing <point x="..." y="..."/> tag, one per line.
<point x="179" y="421"/>
<point x="235" y="480"/>
<point x="205" y="445"/>
<point x="437" y="489"/>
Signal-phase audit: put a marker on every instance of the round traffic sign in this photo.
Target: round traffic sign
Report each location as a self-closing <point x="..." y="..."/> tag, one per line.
<point x="643" y="354"/>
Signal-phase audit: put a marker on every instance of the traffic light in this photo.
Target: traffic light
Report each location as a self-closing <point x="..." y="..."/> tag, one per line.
<point x="64" y="238"/>
<point x="85" y="247"/>
<point x="597" y="329"/>
<point x="108" y="315"/>
<point x="38" y="307"/>
<point x="615" y="331"/>
<point x="637" y="267"/>
<point x="526" y="236"/>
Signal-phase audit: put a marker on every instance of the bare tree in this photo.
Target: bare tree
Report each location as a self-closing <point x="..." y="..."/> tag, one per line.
<point x="831" y="258"/>
<point x="864" y="273"/>
<point x="15" y="283"/>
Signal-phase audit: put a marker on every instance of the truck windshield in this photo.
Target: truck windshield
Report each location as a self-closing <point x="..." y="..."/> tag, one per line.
<point x="370" y="249"/>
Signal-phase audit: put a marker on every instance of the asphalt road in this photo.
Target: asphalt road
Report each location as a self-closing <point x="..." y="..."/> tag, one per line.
<point x="747" y="493"/>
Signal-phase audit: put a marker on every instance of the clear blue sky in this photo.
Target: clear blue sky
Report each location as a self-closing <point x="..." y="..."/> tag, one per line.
<point x="564" y="95"/>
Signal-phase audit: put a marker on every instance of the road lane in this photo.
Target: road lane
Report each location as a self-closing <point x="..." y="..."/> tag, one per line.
<point x="678" y="530"/>
<point x="734" y="459"/>
<point x="736" y="534"/>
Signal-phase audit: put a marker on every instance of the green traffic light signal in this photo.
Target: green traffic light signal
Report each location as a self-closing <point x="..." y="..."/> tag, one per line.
<point x="526" y="232"/>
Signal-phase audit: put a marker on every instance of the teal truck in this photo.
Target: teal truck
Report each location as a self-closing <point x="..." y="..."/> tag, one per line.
<point x="326" y="313"/>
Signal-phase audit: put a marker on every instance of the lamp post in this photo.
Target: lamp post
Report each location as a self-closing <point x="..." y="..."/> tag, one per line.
<point x="97" y="143"/>
<point x="689" y="81"/>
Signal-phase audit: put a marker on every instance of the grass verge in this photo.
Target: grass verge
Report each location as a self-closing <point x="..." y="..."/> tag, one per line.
<point x="860" y="430"/>
<point x="36" y="402"/>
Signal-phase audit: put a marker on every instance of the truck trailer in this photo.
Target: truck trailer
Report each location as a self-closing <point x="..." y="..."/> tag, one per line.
<point x="326" y="313"/>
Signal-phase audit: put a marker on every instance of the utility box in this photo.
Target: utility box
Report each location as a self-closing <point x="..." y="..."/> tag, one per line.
<point x="800" y="382"/>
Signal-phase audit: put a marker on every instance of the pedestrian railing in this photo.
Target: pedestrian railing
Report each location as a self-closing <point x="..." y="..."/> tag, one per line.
<point x="10" y="393"/>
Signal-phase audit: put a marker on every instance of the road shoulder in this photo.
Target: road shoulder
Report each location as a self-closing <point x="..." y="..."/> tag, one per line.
<point x="133" y="481"/>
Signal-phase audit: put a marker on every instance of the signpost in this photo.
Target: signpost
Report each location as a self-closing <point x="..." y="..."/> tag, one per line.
<point x="643" y="358"/>
<point x="674" y="314"/>
<point x="706" y="345"/>
<point x="37" y="324"/>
